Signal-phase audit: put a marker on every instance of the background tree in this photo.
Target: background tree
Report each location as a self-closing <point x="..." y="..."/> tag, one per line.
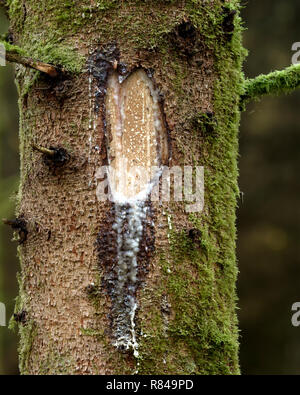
<point x="200" y="331"/>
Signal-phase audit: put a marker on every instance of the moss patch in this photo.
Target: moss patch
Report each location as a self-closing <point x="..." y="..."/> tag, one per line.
<point x="56" y="364"/>
<point x="275" y="83"/>
<point x="200" y="277"/>
<point x="27" y="336"/>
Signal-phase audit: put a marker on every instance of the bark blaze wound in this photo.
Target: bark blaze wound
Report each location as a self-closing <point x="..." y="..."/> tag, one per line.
<point x="138" y="139"/>
<point x="137" y="147"/>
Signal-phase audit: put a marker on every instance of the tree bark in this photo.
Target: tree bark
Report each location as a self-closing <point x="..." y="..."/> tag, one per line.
<point x="185" y="321"/>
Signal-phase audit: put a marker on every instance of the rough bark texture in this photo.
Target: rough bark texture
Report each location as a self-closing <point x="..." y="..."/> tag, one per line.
<point x="186" y="319"/>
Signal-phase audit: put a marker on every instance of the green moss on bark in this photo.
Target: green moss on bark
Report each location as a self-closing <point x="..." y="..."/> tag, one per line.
<point x="204" y="328"/>
<point x="27" y="336"/>
<point x="12" y="48"/>
<point x="275" y="83"/>
<point x="56" y="364"/>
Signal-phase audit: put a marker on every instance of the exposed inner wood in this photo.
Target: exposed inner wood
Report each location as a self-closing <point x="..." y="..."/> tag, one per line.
<point x="137" y="135"/>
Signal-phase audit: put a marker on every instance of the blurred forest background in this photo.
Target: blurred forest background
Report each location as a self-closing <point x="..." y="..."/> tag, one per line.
<point x="269" y="208"/>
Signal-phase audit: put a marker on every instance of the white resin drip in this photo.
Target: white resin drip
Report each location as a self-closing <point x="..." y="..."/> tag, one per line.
<point x="131" y="216"/>
<point x="90" y="112"/>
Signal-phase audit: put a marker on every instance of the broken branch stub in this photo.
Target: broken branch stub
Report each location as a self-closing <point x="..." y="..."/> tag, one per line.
<point x="45" y="68"/>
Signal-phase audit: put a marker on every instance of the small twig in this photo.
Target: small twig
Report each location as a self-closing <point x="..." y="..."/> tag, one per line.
<point x="274" y="83"/>
<point x="21" y="317"/>
<point x="43" y="150"/>
<point x="53" y="156"/>
<point x="20" y="225"/>
<point x="14" y="223"/>
<point x="33" y="64"/>
<point x="16" y="55"/>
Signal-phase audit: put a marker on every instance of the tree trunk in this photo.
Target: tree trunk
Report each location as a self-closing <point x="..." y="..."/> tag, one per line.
<point x="175" y="312"/>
